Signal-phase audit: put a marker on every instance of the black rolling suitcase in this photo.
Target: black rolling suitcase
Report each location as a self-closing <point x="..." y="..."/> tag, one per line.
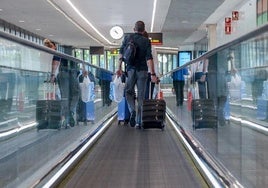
<point x="204" y="113"/>
<point x="48" y="114"/>
<point x="153" y="112"/>
<point x="42" y="114"/>
<point x="49" y="110"/>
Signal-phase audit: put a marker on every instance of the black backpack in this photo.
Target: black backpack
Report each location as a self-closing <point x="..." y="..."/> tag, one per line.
<point x="130" y="52"/>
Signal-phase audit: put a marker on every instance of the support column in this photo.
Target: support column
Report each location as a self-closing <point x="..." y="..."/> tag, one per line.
<point x="212" y="36"/>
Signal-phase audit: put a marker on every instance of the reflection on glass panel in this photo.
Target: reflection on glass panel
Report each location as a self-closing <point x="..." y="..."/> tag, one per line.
<point x="12" y="31"/>
<point x="18" y="33"/>
<point x="102" y="62"/>
<point x="79" y="54"/>
<point x="227" y="93"/>
<point x="14" y="55"/>
<point x="169" y="62"/>
<point x="30" y="101"/>
<point x="112" y="61"/>
<point x="160" y="63"/>
<point x="175" y="60"/>
<point x="112" y="64"/>
<point x="86" y="55"/>
<point x="95" y="60"/>
<point x="165" y="63"/>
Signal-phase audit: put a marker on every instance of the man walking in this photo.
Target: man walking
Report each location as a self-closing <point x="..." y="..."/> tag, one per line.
<point x="178" y="84"/>
<point x="137" y="71"/>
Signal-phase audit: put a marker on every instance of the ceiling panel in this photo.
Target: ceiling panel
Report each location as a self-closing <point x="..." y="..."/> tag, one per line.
<point x="179" y="20"/>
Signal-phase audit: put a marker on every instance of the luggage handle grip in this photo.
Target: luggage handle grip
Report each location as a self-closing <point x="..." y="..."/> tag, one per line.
<point x="150" y="90"/>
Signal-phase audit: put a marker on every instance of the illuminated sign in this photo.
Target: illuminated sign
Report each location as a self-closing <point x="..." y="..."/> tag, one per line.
<point x="184" y="57"/>
<point x="114" y="51"/>
<point x="235" y="15"/>
<point x="228" y="25"/>
<point x="156" y="38"/>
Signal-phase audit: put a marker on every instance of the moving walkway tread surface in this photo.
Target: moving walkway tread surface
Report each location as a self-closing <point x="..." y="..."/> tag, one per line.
<point x="128" y="157"/>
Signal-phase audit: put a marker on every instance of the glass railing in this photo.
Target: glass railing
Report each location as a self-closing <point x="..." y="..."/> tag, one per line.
<point x="37" y="130"/>
<point x="225" y="105"/>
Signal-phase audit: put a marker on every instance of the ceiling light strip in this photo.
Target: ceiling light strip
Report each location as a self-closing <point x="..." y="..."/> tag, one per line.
<point x="88" y="22"/>
<point x="76" y="24"/>
<point x="153" y="15"/>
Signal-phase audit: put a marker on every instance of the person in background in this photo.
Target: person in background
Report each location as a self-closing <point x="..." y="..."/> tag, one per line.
<point x="220" y="69"/>
<point x="55" y="60"/>
<point x="260" y="75"/>
<point x="200" y="77"/>
<point x="137" y="73"/>
<point x="68" y="84"/>
<point x="105" y="79"/>
<point x="178" y="84"/>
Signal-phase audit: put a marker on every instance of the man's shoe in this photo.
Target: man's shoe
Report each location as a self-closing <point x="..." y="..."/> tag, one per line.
<point x="132" y="121"/>
<point x="138" y="126"/>
<point x="72" y="120"/>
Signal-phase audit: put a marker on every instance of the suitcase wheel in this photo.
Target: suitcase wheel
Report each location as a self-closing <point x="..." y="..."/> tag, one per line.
<point x="163" y="127"/>
<point x="72" y="122"/>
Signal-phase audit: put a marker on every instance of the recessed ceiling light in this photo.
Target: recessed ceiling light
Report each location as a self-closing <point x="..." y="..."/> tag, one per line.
<point x="1" y="9"/>
<point x="153" y="15"/>
<point x="21" y="21"/>
<point x="38" y="29"/>
<point x="51" y="35"/>
<point x="87" y="21"/>
<point x="184" y="21"/>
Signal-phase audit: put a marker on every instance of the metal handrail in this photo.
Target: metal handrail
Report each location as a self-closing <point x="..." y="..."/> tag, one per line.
<point x="230" y="44"/>
<point x="36" y="46"/>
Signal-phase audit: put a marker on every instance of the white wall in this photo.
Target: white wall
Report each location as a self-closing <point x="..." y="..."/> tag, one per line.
<point x="246" y="23"/>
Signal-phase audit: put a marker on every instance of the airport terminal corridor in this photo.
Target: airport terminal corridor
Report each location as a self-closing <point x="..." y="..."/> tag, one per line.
<point x="59" y="105"/>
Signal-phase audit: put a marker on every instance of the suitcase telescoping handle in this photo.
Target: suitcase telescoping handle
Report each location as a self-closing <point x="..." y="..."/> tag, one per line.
<point x="150" y="90"/>
<point x="49" y="90"/>
<point x="159" y="94"/>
